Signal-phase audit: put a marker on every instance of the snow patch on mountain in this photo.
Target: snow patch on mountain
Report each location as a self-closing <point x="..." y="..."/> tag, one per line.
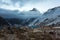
<point x="52" y="16"/>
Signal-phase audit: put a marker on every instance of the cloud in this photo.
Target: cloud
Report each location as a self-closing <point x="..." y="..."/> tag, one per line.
<point x="5" y="2"/>
<point x="24" y="2"/>
<point x="41" y="5"/>
<point x="21" y="3"/>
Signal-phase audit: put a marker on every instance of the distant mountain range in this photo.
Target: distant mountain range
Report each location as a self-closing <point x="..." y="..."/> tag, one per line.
<point x="21" y="18"/>
<point x="32" y="17"/>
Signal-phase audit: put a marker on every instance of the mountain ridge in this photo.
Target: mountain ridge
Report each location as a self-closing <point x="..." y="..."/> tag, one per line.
<point x="34" y="17"/>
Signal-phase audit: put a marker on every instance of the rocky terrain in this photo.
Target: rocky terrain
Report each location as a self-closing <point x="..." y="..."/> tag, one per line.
<point x="25" y="33"/>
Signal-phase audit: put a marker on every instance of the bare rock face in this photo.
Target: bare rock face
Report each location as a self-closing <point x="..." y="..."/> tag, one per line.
<point x="3" y="21"/>
<point x="25" y="34"/>
<point x="34" y="9"/>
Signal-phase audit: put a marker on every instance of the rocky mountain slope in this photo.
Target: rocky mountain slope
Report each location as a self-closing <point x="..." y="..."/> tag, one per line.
<point x="52" y="16"/>
<point x="21" y="18"/>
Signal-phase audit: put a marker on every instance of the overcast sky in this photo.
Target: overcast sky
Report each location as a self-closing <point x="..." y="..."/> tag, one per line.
<point x="25" y="5"/>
